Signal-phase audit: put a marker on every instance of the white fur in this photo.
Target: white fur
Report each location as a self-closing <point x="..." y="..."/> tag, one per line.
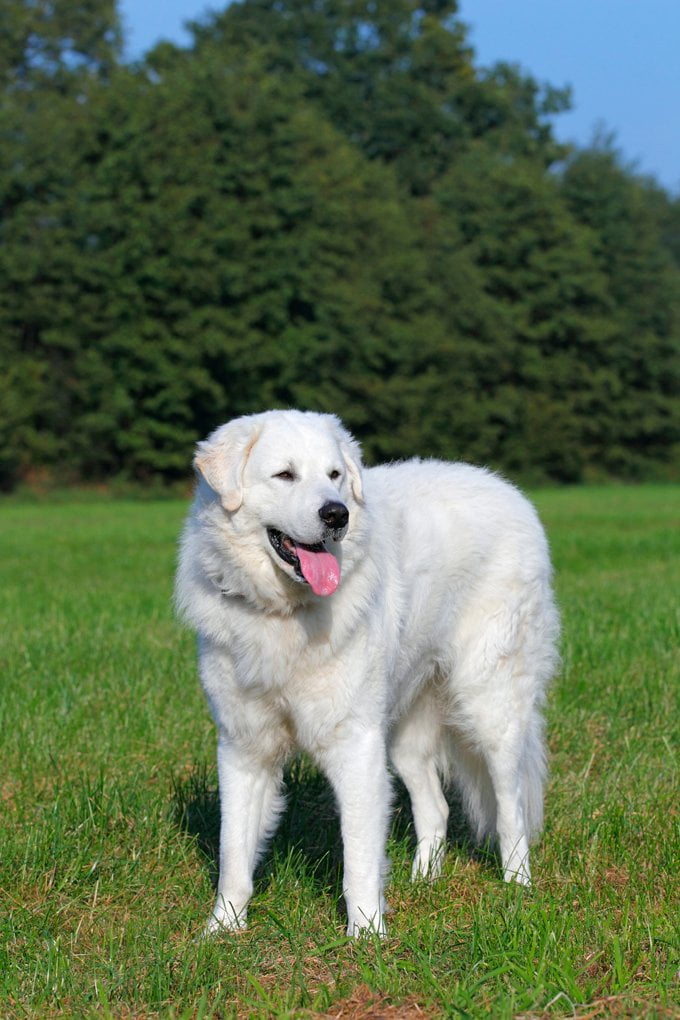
<point x="433" y="653"/>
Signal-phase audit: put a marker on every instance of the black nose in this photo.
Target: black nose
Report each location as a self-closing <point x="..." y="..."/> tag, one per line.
<point x="334" y="514"/>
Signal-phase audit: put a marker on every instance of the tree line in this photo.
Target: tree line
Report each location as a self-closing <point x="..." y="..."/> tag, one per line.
<point x="324" y="204"/>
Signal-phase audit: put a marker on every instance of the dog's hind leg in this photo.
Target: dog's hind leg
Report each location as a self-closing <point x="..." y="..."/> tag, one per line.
<point x="517" y="768"/>
<point x="250" y="803"/>
<point x="505" y="657"/>
<point x="498" y="764"/>
<point x="415" y="751"/>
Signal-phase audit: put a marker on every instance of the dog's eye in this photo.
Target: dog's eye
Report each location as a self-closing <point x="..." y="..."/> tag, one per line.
<point x="333" y="475"/>
<point x="287" y="476"/>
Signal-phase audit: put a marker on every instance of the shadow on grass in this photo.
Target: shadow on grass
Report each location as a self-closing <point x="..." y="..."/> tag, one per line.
<point x="309" y="828"/>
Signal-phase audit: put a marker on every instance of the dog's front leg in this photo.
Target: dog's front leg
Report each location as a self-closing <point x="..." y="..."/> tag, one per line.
<point x="356" y="767"/>
<point x="249" y="804"/>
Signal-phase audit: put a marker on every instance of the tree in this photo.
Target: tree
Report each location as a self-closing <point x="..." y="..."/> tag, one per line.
<point x="219" y="246"/>
<point x="51" y="53"/>
<point x="639" y="412"/>
<point x="396" y="79"/>
<point x="51" y="43"/>
<point x="325" y="205"/>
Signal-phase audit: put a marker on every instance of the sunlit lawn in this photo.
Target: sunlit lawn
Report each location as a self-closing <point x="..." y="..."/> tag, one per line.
<point x="109" y="827"/>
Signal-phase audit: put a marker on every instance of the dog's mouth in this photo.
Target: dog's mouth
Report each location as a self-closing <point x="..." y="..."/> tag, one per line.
<point x="313" y="564"/>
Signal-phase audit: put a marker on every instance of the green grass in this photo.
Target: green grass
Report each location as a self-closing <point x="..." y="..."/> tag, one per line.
<point x="109" y="808"/>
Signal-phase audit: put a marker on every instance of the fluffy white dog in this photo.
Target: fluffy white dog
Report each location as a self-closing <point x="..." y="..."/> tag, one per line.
<point x="400" y="614"/>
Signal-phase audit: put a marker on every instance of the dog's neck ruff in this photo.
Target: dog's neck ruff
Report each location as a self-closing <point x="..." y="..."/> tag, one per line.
<point x="278" y="605"/>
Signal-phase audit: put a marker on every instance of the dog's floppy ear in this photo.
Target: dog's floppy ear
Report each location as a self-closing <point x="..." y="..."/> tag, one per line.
<point x="221" y="458"/>
<point x="351" y="454"/>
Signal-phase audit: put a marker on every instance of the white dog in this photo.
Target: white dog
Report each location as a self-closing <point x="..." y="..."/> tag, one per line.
<point x="396" y="614"/>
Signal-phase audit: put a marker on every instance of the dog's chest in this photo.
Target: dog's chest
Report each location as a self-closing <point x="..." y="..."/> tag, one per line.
<point x="273" y="653"/>
<point x="285" y="679"/>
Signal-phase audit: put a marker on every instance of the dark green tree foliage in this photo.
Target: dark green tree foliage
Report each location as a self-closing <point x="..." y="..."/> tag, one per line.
<point x="50" y="55"/>
<point x="396" y="78"/>
<point x="529" y="344"/>
<point x="323" y="205"/>
<point x="633" y="403"/>
<point x="50" y="43"/>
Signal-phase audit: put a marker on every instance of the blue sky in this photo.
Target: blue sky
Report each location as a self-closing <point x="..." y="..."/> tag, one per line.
<point x="619" y="56"/>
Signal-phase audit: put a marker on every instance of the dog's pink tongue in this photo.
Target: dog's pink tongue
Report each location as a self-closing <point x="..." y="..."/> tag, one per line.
<point x="320" y="569"/>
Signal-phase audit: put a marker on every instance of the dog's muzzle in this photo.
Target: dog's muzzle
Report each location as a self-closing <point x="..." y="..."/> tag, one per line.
<point x="314" y="563"/>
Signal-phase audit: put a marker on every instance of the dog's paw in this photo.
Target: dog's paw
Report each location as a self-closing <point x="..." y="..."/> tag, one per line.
<point x="517" y="870"/>
<point x="518" y="878"/>
<point x="428" y="862"/>
<point x="359" y="927"/>
<point x="224" y="922"/>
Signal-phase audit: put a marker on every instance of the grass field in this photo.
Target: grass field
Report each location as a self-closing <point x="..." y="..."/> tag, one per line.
<point x="109" y="811"/>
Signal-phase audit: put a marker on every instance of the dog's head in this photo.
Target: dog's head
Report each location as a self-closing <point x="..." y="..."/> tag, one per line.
<point x="289" y="483"/>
